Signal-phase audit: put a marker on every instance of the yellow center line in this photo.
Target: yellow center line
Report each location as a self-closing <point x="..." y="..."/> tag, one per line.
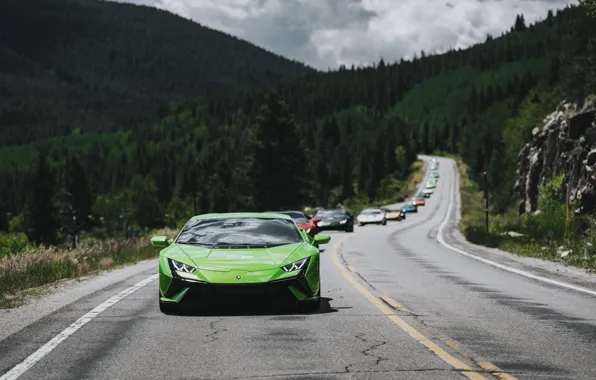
<point x="393" y="303"/>
<point x="466" y="370"/>
<point x="496" y="371"/>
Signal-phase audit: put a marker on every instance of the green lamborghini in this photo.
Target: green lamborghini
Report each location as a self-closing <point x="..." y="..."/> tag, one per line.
<point x="230" y="258"/>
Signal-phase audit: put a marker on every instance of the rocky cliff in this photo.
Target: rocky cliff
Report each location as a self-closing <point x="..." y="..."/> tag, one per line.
<point x="566" y="144"/>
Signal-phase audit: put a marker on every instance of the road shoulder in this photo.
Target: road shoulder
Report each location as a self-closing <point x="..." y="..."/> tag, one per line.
<point x="539" y="267"/>
<point x="64" y="293"/>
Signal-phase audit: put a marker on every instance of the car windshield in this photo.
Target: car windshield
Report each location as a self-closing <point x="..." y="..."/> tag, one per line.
<point x="240" y="233"/>
<point x="371" y="212"/>
<point x="330" y="214"/>
<point x="298" y="217"/>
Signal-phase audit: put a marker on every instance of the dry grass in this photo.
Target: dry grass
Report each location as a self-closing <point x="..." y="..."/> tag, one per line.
<point x="40" y="266"/>
<point x="417" y="173"/>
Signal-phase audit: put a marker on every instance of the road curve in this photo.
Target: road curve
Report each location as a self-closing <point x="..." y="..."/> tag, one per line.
<point x="398" y="304"/>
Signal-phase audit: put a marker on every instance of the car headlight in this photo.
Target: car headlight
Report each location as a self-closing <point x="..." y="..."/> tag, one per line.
<point x="343" y="221"/>
<point x="307" y="230"/>
<point x="297" y="265"/>
<point x="182" y="270"/>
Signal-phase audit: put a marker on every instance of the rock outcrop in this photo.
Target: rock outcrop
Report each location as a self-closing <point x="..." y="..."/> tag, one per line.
<point x="566" y="145"/>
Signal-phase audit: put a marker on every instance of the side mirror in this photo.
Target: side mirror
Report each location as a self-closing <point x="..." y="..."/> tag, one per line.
<point x="322" y="239"/>
<point x="160" y="241"/>
<point x="316" y="220"/>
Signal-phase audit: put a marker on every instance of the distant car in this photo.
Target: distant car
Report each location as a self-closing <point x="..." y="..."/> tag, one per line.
<point x="430" y="185"/>
<point x="372" y="216"/>
<point x="418" y="201"/>
<point x="435" y="175"/>
<point x="409" y="207"/>
<point x="392" y="213"/>
<point x="239" y="258"/>
<point x="427" y="192"/>
<point x="307" y="224"/>
<point x="337" y="219"/>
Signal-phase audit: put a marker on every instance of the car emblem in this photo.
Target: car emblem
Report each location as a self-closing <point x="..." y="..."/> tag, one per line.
<point x="238" y="277"/>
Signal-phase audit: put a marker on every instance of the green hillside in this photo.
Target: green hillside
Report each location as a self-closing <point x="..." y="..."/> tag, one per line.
<point x="361" y="129"/>
<point x="103" y="66"/>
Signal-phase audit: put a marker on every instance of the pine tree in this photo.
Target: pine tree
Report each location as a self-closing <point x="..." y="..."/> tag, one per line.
<point x="520" y="24"/>
<point x="41" y="211"/>
<point x="77" y="185"/>
<point x="279" y="172"/>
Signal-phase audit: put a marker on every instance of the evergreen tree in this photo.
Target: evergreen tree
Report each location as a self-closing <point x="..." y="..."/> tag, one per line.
<point x="520" y="24"/>
<point x="280" y="171"/>
<point x="77" y="185"/>
<point x="41" y="210"/>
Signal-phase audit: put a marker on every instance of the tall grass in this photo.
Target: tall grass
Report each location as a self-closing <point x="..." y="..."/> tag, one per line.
<point x="37" y="266"/>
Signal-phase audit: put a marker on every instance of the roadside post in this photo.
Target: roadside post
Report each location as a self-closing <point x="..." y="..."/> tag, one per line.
<point x="566" y="211"/>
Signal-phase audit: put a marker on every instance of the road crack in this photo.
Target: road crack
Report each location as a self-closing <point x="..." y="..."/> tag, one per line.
<point x="215" y="330"/>
<point x="319" y="373"/>
<point x="368" y="352"/>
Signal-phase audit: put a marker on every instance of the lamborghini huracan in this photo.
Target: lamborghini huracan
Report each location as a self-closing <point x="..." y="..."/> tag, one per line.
<point x="231" y="258"/>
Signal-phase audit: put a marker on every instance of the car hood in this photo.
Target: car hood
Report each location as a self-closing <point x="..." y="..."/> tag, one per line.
<point x="249" y="259"/>
<point x="380" y="216"/>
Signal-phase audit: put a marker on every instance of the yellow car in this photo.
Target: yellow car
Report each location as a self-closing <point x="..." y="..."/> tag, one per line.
<point x="393" y="214"/>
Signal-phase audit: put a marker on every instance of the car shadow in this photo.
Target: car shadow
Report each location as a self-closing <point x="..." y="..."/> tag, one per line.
<point x="252" y="310"/>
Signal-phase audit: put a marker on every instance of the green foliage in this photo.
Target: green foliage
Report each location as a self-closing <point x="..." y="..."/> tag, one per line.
<point x="131" y="138"/>
<point x="40" y="211"/>
<point x="549" y="224"/>
<point x="100" y="66"/>
<point x="280" y="170"/>
<point x="579" y="53"/>
<point x="178" y="212"/>
<point x="115" y="214"/>
<point x="11" y="243"/>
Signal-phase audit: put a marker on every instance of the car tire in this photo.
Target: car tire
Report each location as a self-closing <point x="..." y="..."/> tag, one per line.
<point x="350" y="228"/>
<point x="384" y="222"/>
<point x="360" y="224"/>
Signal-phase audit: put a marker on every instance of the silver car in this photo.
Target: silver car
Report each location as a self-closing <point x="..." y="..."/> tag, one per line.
<point x="372" y="216"/>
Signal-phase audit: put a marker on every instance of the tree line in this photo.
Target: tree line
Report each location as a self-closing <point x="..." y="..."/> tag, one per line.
<point x="321" y="139"/>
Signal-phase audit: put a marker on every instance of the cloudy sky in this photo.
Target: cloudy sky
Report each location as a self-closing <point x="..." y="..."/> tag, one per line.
<point x="327" y="33"/>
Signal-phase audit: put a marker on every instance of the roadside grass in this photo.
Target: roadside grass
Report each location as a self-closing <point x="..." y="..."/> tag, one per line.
<point x="24" y="272"/>
<point x="541" y="235"/>
<point x="392" y="190"/>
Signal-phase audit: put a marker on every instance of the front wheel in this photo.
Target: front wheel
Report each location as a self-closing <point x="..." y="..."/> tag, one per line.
<point x="350" y="228"/>
<point x="384" y="222"/>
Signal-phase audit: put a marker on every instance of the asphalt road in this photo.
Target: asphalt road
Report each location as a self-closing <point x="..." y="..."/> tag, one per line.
<point x="398" y="304"/>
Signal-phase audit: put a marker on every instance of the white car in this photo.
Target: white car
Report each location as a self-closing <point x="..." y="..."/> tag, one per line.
<point x="372" y="216"/>
<point x="427" y="192"/>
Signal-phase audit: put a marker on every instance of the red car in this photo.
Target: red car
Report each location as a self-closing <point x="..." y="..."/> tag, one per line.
<point x="307" y="224"/>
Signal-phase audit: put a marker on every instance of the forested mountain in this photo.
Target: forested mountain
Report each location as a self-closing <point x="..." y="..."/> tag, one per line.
<point x="98" y="66"/>
<point x="361" y="129"/>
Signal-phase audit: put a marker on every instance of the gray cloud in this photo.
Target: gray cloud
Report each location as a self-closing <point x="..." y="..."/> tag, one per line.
<point x="327" y="33"/>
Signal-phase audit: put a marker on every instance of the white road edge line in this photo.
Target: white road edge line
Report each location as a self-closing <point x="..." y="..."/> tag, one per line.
<point x="18" y="370"/>
<point x="495" y="264"/>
